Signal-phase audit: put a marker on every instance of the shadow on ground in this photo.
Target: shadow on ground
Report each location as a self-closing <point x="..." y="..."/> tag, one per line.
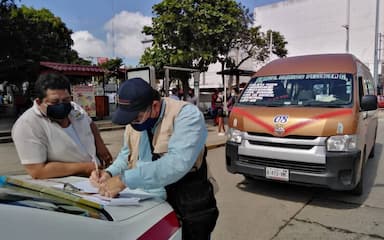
<point x="317" y="195"/>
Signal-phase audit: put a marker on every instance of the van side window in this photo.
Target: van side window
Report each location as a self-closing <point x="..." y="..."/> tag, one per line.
<point x="370" y="87"/>
<point x="361" y="88"/>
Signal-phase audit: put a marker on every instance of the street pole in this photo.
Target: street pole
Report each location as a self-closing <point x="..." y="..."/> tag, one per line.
<point x="270" y="45"/>
<point x="376" y="48"/>
<point x="380" y="50"/>
<point x="347" y="25"/>
<point x="113" y="30"/>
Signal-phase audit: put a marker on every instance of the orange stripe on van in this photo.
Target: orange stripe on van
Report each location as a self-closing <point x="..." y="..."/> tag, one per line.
<point x="318" y="117"/>
<point x="270" y="128"/>
<point x="256" y="120"/>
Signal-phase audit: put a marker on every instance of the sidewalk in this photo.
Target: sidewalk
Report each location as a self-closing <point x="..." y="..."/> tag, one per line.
<point x="213" y="139"/>
<point x="112" y="136"/>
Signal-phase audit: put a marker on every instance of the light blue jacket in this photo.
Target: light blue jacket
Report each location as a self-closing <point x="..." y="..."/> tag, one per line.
<point x="185" y="144"/>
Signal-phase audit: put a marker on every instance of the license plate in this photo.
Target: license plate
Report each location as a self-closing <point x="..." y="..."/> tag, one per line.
<point x="277" y="173"/>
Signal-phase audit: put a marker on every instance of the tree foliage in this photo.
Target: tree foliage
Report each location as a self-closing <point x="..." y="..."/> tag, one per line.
<point x="112" y="65"/>
<point x="191" y="33"/>
<point x="255" y="44"/>
<point x="29" y="36"/>
<point x="196" y="33"/>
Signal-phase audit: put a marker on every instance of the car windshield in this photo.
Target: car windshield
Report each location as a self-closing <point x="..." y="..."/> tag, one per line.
<point x="19" y="196"/>
<point x="317" y="89"/>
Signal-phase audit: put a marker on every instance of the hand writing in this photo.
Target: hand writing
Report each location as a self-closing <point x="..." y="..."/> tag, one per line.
<point x="111" y="187"/>
<point x="98" y="177"/>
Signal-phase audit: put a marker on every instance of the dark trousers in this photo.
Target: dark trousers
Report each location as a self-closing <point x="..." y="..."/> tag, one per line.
<point x="194" y="202"/>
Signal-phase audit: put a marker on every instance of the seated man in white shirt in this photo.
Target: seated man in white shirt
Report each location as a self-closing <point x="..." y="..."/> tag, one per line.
<point x="56" y="137"/>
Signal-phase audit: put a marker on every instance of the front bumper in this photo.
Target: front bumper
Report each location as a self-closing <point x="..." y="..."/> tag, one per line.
<point x="340" y="172"/>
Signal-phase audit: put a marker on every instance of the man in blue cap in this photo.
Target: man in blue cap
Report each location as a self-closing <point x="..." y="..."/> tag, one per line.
<point x="164" y="146"/>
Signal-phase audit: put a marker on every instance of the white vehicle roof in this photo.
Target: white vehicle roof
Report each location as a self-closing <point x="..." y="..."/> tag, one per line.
<point x="151" y="219"/>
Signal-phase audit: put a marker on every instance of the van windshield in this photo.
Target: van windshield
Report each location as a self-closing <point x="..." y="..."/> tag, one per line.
<point x="316" y="89"/>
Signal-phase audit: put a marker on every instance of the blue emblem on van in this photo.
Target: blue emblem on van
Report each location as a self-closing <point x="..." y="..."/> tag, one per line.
<point x="279" y="121"/>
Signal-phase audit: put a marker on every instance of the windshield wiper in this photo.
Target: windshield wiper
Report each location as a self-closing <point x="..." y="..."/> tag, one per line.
<point x="320" y="104"/>
<point x="266" y="104"/>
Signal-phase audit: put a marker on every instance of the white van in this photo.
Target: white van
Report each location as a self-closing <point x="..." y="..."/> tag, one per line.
<point x="306" y="120"/>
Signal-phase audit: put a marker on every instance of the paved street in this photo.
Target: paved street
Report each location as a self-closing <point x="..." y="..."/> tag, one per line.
<point x="9" y="162"/>
<point x="269" y="210"/>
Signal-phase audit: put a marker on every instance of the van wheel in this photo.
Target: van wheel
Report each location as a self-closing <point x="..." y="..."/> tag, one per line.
<point x="372" y="152"/>
<point x="359" y="189"/>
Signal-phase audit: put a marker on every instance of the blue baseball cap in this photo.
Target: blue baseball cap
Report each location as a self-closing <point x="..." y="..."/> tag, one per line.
<point x="134" y="96"/>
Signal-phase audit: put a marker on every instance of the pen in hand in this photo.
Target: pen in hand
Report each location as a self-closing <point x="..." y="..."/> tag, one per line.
<point x="97" y="170"/>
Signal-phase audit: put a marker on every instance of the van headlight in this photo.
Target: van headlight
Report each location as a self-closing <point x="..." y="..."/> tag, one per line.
<point x="342" y="143"/>
<point x="235" y="135"/>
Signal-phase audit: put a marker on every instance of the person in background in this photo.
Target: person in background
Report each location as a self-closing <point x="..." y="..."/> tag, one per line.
<point x="213" y="106"/>
<point x="174" y="94"/>
<point x="166" y="147"/>
<point x="56" y="137"/>
<point x="233" y="99"/>
<point x="191" y="98"/>
<point x="220" y="114"/>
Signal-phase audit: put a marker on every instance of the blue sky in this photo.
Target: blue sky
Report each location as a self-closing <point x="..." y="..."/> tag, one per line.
<point x="108" y="28"/>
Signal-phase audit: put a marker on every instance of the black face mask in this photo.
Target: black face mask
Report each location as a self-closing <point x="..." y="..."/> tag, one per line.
<point x="59" y="111"/>
<point x="147" y="124"/>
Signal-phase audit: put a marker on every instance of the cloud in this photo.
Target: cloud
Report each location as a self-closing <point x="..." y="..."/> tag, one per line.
<point x="87" y="45"/>
<point x="122" y="38"/>
<point x="124" y="33"/>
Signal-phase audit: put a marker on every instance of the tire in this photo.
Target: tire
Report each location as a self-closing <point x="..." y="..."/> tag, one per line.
<point x="372" y="152"/>
<point x="359" y="189"/>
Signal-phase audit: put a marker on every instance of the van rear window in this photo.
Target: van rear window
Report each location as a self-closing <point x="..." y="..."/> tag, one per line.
<point x="317" y="89"/>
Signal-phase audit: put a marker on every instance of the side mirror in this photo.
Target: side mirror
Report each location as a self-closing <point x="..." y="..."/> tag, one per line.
<point x="368" y="103"/>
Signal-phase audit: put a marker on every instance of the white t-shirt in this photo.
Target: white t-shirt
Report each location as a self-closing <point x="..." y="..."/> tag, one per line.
<point x="38" y="139"/>
<point x="72" y="133"/>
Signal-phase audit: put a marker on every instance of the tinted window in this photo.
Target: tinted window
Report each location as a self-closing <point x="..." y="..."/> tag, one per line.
<point x="321" y="90"/>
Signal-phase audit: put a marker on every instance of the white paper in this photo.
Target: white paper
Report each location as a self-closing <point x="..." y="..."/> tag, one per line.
<point x="86" y="186"/>
<point x="111" y="201"/>
<point x="125" y="197"/>
<point x="135" y="193"/>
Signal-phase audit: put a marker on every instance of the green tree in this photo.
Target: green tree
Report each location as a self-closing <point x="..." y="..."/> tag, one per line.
<point x="256" y="44"/>
<point x="44" y="35"/>
<point x="190" y="33"/>
<point x="29" y="36"/>
<point x="196" y="33"/>
<point x="252" y="43"/>
<point x="112" y="66"/>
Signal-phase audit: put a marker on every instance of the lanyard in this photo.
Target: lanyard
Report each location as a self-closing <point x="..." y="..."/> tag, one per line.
<point x="155" y="156"/>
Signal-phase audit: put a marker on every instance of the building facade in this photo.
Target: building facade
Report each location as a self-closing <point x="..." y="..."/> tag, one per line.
<point x="320" y="26"/>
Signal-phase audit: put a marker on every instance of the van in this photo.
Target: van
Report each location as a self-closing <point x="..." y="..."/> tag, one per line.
<point x="305" y="120"/>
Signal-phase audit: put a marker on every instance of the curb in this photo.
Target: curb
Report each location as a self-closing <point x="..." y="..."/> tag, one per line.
<point x="118" y="127"/>
<point x="215" y="145"/>
<point x="5" y="136"/>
